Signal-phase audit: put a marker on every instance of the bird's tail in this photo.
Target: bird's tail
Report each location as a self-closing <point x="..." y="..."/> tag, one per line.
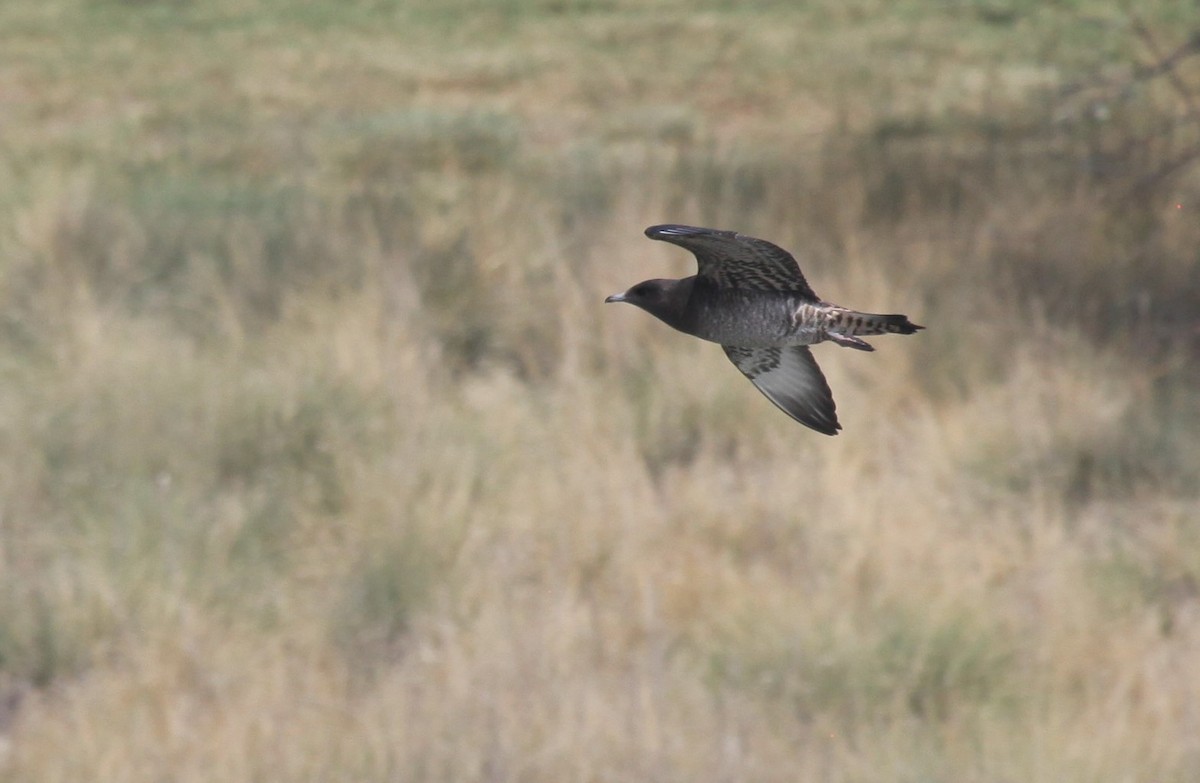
<point x="845" y="325"/>
<point x="852" y="322"/>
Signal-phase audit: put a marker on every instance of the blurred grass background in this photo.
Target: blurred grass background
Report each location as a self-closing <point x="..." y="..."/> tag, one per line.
<point x="322" y="459"/>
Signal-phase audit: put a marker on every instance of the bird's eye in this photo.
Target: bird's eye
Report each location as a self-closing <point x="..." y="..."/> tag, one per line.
<point x="643" y="291"/>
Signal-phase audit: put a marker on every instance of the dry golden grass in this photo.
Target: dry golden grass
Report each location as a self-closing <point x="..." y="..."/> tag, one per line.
<point x="323" y="459"/>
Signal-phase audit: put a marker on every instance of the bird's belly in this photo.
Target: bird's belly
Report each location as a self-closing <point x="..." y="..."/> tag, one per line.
<point x="765" y="324"/>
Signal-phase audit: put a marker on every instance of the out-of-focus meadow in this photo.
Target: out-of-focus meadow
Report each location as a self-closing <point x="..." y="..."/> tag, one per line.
<point x="322" y="458"/>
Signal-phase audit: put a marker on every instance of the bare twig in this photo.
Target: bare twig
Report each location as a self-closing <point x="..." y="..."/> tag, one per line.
<point x="1120" y="89"/>
<point x="1167" y="64"/>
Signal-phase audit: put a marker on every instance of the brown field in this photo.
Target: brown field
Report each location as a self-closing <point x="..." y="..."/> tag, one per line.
<point x="324" y="461"/>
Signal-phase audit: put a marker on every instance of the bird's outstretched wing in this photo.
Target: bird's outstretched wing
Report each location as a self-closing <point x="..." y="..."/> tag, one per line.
<point x="790" y="378"/>
<point x="733" y="260"/>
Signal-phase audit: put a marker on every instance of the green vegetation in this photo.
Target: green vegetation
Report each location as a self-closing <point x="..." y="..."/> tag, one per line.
<point x="323" y="460"/>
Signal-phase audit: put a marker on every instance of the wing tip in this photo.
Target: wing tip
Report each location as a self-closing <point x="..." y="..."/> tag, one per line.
<point x="824" y="429"/>
<point x="669" y="231"/>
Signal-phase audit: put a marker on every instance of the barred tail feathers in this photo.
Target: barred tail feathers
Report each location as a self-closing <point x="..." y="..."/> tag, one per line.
<point x="852" y="322"/>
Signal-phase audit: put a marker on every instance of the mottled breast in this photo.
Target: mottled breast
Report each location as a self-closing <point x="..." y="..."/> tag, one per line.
<point x="752" y="319"/>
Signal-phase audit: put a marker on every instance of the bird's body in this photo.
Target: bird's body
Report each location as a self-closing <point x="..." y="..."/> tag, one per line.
<point x="769" y="319"/>
<point x="736" y="316"/>
<point x="751" y="297"/>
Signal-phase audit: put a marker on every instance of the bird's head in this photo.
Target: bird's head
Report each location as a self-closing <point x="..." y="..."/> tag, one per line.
<point x="664" y="299"/>
<point x="646" y="294"/>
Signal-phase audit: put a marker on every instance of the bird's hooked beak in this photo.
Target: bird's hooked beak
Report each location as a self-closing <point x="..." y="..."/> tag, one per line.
<point x="615" y="298"/>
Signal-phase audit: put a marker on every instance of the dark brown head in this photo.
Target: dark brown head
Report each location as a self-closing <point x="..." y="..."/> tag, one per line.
<point x="663" y="299"/>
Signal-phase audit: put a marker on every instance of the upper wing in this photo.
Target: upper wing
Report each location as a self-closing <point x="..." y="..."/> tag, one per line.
<point x="791" y="379"/>
<point x="733" y="260"/>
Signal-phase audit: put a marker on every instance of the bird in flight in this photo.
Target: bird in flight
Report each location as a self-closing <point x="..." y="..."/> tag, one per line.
<point x="751" y="297"/>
